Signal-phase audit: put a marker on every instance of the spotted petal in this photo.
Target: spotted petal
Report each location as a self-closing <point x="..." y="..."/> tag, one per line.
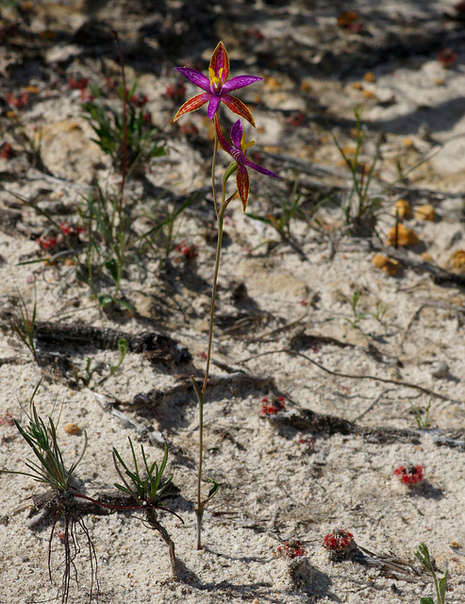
<point x="238" y="108"/>
<point x="192" y="105"/>
<point x="195" y="77"/>
<point x="220" y="60"/>
<point x="239" y="82"/>
<point x="243" y="185"/>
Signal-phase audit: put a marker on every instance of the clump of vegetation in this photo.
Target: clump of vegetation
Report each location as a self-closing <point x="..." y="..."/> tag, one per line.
<point x="440" y="585"/>
<point x="49" y="468"/>
<point x="147" y="491"/>
<point x="360" y="206"/>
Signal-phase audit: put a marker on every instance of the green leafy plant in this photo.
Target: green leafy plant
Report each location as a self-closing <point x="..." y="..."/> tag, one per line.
<point x="380" y="310"/>
<point x="90" y="370"/>
<point x="440" y="585"/>
<point x="357" y="316"/>
<point x="50" y="469"/>
<point x="23" y="324"/>
<point x="286" y="212"/>
<point x="124" y="135"/>
<point x="422" y="422"/>
<point x="147" y="487"/>
<point x="360" y="207"/>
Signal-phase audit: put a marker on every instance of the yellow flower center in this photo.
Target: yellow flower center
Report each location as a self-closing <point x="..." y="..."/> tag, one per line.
<point x="216" y="80"/>
<point x="244" y="145"/>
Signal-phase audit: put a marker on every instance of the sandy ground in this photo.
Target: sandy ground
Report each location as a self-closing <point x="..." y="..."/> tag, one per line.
<point x="290" y="332"/>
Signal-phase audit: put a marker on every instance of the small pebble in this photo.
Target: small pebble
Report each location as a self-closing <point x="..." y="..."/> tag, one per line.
<point x="439" y="369"/>
<point x="72" y="429"/>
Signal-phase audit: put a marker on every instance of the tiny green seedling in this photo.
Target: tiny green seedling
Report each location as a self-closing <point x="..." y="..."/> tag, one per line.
<point x="380" y="310"/>
<point x="440" y="585"/>
<point x="422" y="422"/>
<point x="90" y="370"/>
<point x="23" y="324"/>
<point x="147" y="487"/>
<point x="357" y="316"/>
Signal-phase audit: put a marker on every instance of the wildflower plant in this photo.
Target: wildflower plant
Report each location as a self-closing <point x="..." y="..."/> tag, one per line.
<point x="339" y="544"/>
<point x="216" y="90"/>
<point x="49" y="468"/>
<point x="147" y="487"/>
<point x="291" y="549"/>
<point x="410" y="475"/>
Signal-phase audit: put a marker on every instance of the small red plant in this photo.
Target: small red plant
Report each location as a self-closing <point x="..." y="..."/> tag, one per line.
<point x="188" y="251"/>
<point x="409" y="475"/>
<point x="188" y="129"/>
<point x="291" y="549"/>
<point x="447" y="58"/>
<point x="272" y="407"/>
<point x="71" y="230"/>
<point x="307" y="443"/>
<point x="339" y="543"/>
<point x="6" y="418"/>
<point x="139" y="100"/>
<point x="6" y="151"/>
<point x="297" y="119"/>
<point x="176" y="92"/>
<point x="78" y="83"/>
<point x="17" y="101"/>
<point x="47" y="242"/>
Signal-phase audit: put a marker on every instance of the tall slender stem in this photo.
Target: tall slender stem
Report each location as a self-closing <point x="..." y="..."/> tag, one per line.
<point x="215" y="152"/>
<point x="201" y="392"/>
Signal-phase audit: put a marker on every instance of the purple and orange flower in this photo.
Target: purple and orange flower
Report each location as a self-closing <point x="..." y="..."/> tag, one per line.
<point x="217" y="87"/>
<point x="238" y="151"/>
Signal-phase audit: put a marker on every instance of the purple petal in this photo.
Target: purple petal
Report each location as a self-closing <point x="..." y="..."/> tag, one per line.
<point x="195" y="77"/>
<point x="213" y="105"/>
<point x="236" y="134"/>
<point x="239" y="82"/>
<point x="258" y="168"/>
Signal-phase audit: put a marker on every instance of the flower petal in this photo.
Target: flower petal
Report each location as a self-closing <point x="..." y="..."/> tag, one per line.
<point x="223" y="142"/>
<point x="237" y="107"/>
<point x="195" y="77"/>
<point x="236" y="134"/>
<point x="239" y="82"/>
<point x="220" y="60"/>
<point x="213" y="105"/>
<point x="192" y="105"/>
<point x="243" y="186"/>
<point x="258" y="168"/>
